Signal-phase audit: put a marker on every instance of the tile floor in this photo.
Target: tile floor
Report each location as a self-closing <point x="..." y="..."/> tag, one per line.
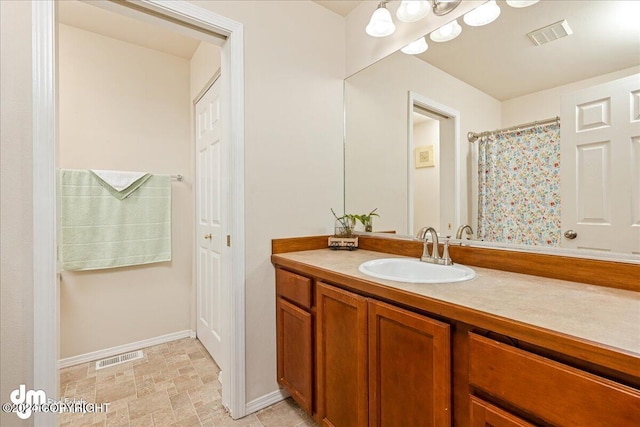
<point x="175" y="384"/>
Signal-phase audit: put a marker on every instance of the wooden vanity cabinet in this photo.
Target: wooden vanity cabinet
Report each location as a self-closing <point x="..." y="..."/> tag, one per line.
<point x="353" y="361"/>
<point x="379" y="365"/>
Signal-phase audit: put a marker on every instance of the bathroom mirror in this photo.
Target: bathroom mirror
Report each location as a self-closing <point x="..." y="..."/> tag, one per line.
<point x="488" y="78"/>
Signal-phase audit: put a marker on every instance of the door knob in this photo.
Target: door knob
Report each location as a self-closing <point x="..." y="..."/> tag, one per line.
<point x="570" y="234"/>
<point x="208" y="236"/>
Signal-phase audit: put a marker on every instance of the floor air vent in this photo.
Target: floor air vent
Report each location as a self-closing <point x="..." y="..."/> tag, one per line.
<point x="116" y="360"/>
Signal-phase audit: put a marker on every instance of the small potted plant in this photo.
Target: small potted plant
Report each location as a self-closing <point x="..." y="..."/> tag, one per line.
<point x="366" y="219"/>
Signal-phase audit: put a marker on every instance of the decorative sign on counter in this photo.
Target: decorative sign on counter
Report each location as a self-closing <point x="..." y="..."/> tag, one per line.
<point x="345" y="243"/>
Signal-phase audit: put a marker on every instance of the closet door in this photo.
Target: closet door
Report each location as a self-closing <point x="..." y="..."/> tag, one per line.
<point x="600" y="169"/>
<point x="210" y="222"/>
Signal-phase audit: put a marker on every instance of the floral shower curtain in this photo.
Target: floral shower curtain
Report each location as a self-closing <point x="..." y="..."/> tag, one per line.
<point x="519" y="186"/>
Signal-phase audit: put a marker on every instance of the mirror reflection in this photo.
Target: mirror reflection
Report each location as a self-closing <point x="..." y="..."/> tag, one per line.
<point x="407" y="119"/>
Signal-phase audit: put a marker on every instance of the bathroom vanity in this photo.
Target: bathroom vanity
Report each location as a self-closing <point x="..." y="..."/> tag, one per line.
<point x="502" y="349"/>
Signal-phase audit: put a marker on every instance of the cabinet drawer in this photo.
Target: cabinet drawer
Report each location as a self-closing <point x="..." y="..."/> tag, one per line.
<point x="556" y="393"/>
<point x="484" y="414"/>
<point x="293" y="287"/>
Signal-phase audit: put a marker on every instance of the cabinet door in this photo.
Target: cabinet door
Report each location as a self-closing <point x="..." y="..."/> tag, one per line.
<point x="341" y="342"/>
<point x="409" y="368"/>
<point x="295" y="352"/>
<point x="484" y="414"/>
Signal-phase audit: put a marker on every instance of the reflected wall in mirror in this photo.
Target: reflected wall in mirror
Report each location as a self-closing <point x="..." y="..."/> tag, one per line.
<point x="490" y="78"/>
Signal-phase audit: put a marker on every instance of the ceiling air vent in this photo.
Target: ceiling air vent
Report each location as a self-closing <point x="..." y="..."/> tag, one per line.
<point x="550" y="33"/>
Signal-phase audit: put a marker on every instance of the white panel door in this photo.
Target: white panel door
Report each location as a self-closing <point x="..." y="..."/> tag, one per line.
<point x="600" y="171"/>
<point x="210" y="222"/>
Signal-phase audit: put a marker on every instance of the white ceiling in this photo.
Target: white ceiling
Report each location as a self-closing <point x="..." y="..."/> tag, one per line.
<point x="91" y="18"/>
<point x="500" y="60"/>
<point x="341" y="7"/>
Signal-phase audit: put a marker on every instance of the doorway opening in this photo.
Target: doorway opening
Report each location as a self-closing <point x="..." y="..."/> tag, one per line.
<point x="426" y="170"/>
<point x="433" y="165"/>
<point x="187" y="18"/>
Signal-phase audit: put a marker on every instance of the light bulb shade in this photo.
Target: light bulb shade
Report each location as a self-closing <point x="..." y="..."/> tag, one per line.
<point x="483" y="15"/>
<point x="380" y="24"/>
<point x="413" y="10"/>
<point x="416" y="47"/>
<point x="447" y="32"/>
<point x="521" y="3"/>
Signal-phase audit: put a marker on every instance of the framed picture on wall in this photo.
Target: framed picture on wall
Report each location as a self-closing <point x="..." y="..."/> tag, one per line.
<point x="424" y="157"/>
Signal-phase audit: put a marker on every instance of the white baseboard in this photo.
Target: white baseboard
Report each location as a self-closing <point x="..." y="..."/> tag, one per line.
<point x="113" y="351"/>
<point x="266" y="400"/>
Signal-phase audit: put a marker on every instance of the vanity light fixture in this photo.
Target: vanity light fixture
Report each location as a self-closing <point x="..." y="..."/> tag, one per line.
<point x="416" y="47"/>
<point x="381" y="24"/>
<point x="482" y="15"/>
<point x="413" y="10"/>
<point x="447" y="32"/>
<point x="521" y="3"/>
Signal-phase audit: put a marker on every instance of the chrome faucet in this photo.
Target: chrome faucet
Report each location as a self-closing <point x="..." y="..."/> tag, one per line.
<point x="462" y="228"/>
<point x="434" y="258"/>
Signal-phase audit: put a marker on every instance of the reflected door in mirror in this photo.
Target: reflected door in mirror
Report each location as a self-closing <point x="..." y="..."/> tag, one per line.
<point x="601" y="167"/>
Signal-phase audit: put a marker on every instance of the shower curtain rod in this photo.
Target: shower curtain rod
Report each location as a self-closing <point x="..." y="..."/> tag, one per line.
<point x="472" y="136"/>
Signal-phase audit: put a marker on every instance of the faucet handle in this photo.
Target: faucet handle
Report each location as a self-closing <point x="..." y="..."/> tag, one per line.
<point x="446" y="259"/>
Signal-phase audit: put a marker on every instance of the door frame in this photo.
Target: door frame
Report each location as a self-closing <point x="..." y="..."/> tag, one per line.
<point x="44" y="126"/>
<point x="429" y="104"/>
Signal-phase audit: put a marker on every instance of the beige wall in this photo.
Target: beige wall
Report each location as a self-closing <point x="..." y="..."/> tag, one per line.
<point x="294" y="67"/>
<point x="16" y="259"/>
<point x="204" y="64"/>
<point x="125" y="107"/>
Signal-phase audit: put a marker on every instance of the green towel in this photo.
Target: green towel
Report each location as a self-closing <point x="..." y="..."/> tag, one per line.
<point x="100" y="231"/>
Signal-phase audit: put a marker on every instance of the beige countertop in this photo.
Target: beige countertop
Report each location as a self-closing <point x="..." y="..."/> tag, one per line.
<point x="605" y="316"/>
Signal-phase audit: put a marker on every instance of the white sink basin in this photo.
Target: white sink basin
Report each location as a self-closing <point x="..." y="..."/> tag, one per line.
<point x="415" y="271"/>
